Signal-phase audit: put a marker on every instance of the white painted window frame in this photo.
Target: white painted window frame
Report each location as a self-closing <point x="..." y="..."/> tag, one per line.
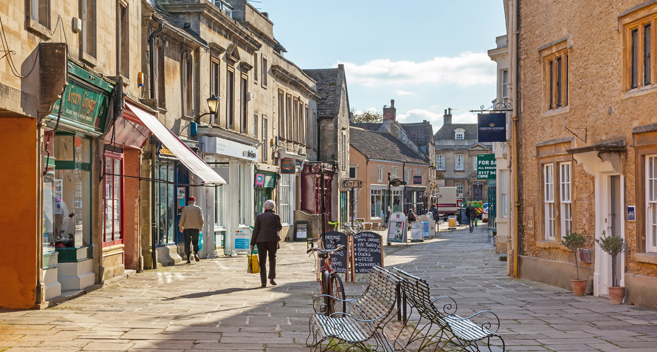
<point x="459" y="162"/>
<point x="380" y="174"/>
<point x="565" y="192"/>
<point x="548" y="200"/>
<point x="440" y="162"/>
<point x="651" y="203"/>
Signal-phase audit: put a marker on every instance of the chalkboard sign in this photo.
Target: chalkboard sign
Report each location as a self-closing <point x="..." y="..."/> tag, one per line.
<point x="367" y="251"/>
<point x="339" y="259"/>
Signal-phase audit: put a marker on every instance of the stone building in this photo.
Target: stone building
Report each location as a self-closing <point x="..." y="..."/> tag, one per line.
<point x="587" y="140"/>
<point x="405" y="150"/>
<point x="503" y="181"/>
<point x="456" y="158"/>
<point x="65" y="78"/>
<point x="334" y="115"/>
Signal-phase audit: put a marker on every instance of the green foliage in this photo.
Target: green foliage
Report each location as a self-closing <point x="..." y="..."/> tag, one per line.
<point x="573" y="241"/>
<point x="612" y="245"/>
<point x="368" y="117"/>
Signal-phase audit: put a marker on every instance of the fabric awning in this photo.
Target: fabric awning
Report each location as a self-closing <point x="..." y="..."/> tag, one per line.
<point x="190" y="159"/>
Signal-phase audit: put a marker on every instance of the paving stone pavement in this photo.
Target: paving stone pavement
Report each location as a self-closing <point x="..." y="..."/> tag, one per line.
<point x="214" y="305"/>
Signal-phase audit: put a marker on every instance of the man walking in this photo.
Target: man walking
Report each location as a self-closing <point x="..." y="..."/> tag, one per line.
<point x="265" y="236"/>
<point x="471" y="213"/>
<point x="191" y="223"/>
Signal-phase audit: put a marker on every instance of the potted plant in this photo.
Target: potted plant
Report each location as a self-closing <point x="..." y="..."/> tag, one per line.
<point x="613" y="245"/>
<point x="573" y="241"/>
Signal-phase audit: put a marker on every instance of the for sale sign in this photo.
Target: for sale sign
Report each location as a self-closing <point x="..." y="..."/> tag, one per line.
<point x="486" y="165"/>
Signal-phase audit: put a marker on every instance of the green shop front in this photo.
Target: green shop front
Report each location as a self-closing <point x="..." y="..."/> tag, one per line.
<point x="71" y="139"/>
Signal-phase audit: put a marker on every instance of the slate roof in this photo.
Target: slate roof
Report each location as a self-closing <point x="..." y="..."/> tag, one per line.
<point x="421" y="133"/>
<point x="368" y="126"/>
<point x="383" y="146"/>
<point x="447" y="131"/>
<point x="329" y="86"/>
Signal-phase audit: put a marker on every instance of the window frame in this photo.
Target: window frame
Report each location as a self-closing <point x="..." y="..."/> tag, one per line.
<point x="650" y="221"/>
<point x="373" y="214"/>
<point x="244" y="106"/>
<point x="459" y="162"/>
<point x="265" y="143"/>
<point x="122" y="38"/>
<point x="89" y="16"/>
<point x="393" y="172"/>
<point x="39" y="11"/>
<point x="186" y="85"/>
<point x="549" y="202"/>
<point x="555" y="62"/>
<point x="380" y="173"/>
<point x="440" y="162"/>
<point x="565" y="197"/>
<point x="230" y="98"/>
<point x="109" y="178"/>
<point x="281" y="114"/>
<point x="215" y="86"/>
<point x="407" y="174"/>
<point x="355" y="168"/>
<point x="264" y="73"/>
<point x="459" y="186"/>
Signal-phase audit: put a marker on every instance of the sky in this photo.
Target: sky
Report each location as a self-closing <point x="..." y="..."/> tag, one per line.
<point x="427" y="55"/>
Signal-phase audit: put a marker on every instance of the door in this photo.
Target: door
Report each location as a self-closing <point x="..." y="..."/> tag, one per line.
<point x="478" y="192"/>
<point x="610" y="219"/>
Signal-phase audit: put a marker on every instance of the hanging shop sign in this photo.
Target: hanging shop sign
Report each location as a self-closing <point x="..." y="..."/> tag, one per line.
<point x="348" y="184"/>
<point x="486" y="166"/>
<point x="288" y="166"/>
<point x="259" y="180"/>
<point x="417" y="180"/>
<point x="491" y="127"/>
<point x="85" y="101"/>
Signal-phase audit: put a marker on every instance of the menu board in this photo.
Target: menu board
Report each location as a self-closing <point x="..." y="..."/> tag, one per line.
<point x="339" y="259"/>
<point x="367" y="252"/>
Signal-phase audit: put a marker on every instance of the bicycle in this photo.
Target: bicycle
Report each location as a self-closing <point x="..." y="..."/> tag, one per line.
<point x="332" y="286"/>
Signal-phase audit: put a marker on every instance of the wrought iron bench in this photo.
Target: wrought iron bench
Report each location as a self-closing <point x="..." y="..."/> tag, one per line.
<point x="442" y="326"/>
<point x="361" y="326"/>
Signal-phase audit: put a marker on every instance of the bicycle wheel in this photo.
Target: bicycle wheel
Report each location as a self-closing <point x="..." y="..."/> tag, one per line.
<point x="337" y="291"/>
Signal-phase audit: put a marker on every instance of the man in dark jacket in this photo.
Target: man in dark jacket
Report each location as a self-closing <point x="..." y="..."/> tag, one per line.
<point x="471" y="213"/>
<point x="265" y="236"/>
<point x="434" y="212"/>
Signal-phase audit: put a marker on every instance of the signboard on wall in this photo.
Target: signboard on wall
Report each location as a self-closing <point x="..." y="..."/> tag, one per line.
<point x="486" y="166"/>
<point x="491" y="127"/>
<point x="417" y="180"/>
<point x="288" y="166"/>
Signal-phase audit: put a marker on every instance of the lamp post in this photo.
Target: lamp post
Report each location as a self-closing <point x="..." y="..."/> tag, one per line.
<point x="213" y="104"/>
<point x="388" y="200"/>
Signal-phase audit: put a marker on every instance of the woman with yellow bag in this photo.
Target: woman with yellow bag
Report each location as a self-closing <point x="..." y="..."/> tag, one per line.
<point x="265" y="236"/>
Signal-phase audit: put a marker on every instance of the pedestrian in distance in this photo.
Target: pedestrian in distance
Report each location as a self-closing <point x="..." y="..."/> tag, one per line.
<point x="411" y="216"/>
<point x="434" y="212"/>
<point x="191" y="223"/>
<point x="471" y="213"/>
<point x="265" y="236"/>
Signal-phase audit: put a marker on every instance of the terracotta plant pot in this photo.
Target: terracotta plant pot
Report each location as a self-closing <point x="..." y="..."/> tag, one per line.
<point x="616" y="294"/>
<point x="579" y="287"/>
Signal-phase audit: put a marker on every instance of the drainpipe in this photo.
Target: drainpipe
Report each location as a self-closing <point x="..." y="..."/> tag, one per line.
<point x="151" y="47"/>
<point x="515" y="70"/>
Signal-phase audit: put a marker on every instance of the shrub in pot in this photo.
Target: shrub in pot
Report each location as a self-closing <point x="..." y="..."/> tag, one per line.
<point x="574" y="241"/>
<point x="613" y="245"/>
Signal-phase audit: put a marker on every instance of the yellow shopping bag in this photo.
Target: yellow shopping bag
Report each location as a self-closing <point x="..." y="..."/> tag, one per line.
<point x="254" y="265"/>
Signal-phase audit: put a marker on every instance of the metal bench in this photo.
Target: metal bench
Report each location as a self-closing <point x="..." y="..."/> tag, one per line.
<point x="437" y="328"/>
<point x="361" y="326"/>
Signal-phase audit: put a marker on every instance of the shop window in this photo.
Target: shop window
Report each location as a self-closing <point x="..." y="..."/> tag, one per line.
<point x="651" y="203"/>
<point x="287" y="199"/>
<point x="440" y="161"/>
<point x="245" y="196"/>
<point x="376" y="203"/>
<point x="548" y="196"/>
<point x="88" y="35"/>
<point x="165" y="201"/>
<point x="49" y="194"/>
<point x="113" y="229"/>
<point x="123" y="39"/>
<point x="71" y="187"/>
<point x="566" y="199"/>
<point x="397" y="200"/>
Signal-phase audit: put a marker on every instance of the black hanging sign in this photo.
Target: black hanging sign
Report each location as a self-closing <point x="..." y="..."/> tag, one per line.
<point x="368" y="252"/>
<point x="491" y="127"/>
<point x="338" y="260"/>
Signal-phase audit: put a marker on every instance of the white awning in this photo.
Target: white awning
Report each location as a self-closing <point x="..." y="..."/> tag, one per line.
<point x="187" y="156"/>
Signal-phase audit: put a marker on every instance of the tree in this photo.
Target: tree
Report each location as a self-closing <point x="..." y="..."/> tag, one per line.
<point x="367" y="117"/>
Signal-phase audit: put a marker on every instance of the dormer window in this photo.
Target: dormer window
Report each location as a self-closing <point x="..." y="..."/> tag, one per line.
<point x="459" y="134"/>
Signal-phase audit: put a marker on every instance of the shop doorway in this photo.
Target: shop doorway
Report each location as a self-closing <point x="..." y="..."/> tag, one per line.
<point x="478" y="192"/>
<point x="610" y="219"/>
<point x="261" y="196"/>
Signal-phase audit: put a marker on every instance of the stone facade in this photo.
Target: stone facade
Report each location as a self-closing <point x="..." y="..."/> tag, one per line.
<point x="456" y="150"/>
<point x="609" y="113"/>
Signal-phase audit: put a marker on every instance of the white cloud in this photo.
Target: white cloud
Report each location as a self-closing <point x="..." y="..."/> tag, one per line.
<point x="467" y="69"/>
<point x="420" y="115"/>
<point x="401" y="92"/>
<point x="466" y="117"/>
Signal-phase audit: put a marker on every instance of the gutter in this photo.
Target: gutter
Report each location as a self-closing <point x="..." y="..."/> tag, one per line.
<point x="514" y="36"/>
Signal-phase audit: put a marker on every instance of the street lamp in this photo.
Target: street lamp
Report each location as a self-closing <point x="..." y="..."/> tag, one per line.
<point x="213" y="104"/>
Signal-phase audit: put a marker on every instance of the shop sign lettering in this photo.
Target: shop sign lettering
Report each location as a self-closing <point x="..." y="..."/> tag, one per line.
<point x="82" y="105"/>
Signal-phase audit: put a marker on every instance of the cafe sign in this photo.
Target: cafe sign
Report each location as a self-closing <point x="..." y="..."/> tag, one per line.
<point x="85" y="101"/>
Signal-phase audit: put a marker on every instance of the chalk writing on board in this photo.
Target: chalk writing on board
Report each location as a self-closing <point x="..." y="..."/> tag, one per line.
<point x="339" y="259"/>
<point x="367" y="252"/>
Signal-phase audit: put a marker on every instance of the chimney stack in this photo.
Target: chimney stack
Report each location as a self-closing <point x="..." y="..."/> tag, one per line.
<point x="390" y="113"/>
<point x="448" y="116"/>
